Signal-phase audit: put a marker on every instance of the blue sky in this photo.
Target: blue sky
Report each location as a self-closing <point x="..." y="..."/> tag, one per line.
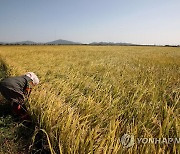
<point x="133" y="21"/>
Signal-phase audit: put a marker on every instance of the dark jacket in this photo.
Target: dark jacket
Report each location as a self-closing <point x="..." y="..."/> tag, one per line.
<point x="14" y="87"/>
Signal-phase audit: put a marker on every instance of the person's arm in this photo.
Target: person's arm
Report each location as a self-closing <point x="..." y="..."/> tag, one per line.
<point x="28" y="89"/>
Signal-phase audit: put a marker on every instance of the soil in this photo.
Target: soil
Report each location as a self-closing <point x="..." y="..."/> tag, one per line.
<point x="15" y="135"/>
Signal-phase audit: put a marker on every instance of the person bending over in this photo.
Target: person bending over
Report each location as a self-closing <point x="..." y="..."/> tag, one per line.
<point x="17" y="90"/>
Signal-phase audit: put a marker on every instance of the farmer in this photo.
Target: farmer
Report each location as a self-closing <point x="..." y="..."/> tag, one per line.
<point x="17" y="90"/>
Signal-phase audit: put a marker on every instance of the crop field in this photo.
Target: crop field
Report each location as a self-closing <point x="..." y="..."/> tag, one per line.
<point x="90" y="96"/>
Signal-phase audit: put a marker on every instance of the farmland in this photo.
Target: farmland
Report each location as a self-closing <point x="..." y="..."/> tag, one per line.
<point x="90" y="96"/>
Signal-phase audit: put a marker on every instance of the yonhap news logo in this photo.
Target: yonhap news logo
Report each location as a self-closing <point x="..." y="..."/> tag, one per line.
<point x="128" y="140"/>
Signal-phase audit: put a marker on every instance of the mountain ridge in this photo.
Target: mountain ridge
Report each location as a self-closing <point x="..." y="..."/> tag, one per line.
<point x="61" y="42"/>
<point x="67" y="42"/>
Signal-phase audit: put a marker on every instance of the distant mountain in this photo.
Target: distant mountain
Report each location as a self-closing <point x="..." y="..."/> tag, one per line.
<point x="19" y="43"/>
<point x="25" y="42"/>
<point x="64" y="42"/>
<point x="60" y="41"/>
<point x="56" y="42"/>
<point x="110" y="43"/>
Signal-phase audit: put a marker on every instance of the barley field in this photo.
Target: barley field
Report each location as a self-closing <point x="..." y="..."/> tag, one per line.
<point x="90" y="96"/>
